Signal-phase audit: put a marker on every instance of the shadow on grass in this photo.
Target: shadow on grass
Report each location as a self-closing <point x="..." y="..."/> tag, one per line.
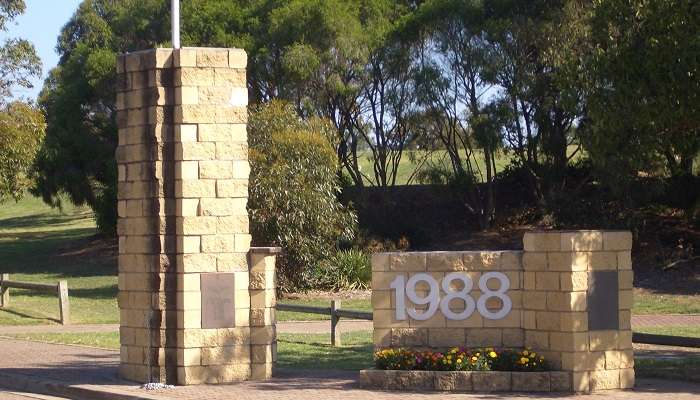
<point x="28" y="316"/>
<point x="36" y="220"/>
<point x="69" y="253"/>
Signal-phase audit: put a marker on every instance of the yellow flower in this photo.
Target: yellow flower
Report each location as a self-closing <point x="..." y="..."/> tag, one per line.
<point x="525" y="352"/>
<point x="524" y="360"/>
<point x="493" y="354"/>
<point x="459" y="361"/>
<point x="474" y="358"/>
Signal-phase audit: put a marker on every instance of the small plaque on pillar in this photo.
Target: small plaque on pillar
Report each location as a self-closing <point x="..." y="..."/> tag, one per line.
<point x="603" y="301"/>
<point x="218" y="293"/>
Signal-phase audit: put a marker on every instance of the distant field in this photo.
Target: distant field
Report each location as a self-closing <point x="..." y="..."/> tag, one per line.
<point x="412" y="159"/>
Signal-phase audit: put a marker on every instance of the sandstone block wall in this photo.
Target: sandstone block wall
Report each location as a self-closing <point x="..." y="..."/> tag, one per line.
<point x="557" y="285"/>
<point x="183" y="224"/>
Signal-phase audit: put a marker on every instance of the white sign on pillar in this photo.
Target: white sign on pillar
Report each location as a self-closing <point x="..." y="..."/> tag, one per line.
<point x="407" y="290"/>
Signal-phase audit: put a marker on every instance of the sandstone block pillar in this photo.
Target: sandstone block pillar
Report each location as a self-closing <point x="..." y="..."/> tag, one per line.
<point x="189" y="291"/>
<point x="577" y="309"/>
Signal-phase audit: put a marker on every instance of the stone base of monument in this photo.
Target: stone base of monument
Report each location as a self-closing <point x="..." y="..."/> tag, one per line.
<point x="467" y="381"/>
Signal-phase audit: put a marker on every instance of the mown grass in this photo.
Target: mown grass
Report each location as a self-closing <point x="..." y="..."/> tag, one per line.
<point x="686" y="331"/>
<point x="306" y="351"/>
<point x="682" y="369"/>
<point x="654" y="303"/>
<point x="41" y="244"/>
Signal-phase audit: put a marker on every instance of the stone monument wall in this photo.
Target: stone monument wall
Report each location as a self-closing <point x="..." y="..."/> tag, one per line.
<point x="568" y="296"/>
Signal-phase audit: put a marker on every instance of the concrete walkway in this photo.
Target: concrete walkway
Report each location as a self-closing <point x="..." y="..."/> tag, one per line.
<point x="89" y="373"/>
<point x="638" y="321"/>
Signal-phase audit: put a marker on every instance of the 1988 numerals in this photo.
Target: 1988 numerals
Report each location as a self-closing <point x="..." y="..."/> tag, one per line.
<point x="407" y="289"/>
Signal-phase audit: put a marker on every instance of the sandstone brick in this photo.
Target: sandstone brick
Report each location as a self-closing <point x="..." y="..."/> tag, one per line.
<point x="625" y="318"/>
<point x="196" y="225"/>
<point x="232" y="188"/>
<point x="408" y="262"/>
<point x="530" y="381"/>
<point x="187" y="170"/>
<point x="603" y="340"/>
<point x="262" y="298"/>
<point x="444" y="261"/>
<point x="513" y="338"/>
<point x="410" y="337"/>
<point x="225" y="355"/>
<point x="222" y="133"/>
<point x="260" y="262"/>
<point x="186" y="95"/>
<point x="582" y="241"/>
<point x="188" y="244"/>
<point x="195" y="151"/>
<point x="232" y="151"/>
<point x="382" y="337"/>
<point x="624" y="260"/>
<point x="382" y="280"/>
<point x="536" y="339"/>
<point x="474" y="321"/>
<point x="573" y="281"/>
<point x="241" y="169"/>
<point x="194" y="77"/>
<point x="232" y="224"/>
<point x="625" y="279"/>
<point x="559" y="261"/>
<point x="574" y="321"/>
<point x="231" y="262"/>
<point x="542" y="241"/>
<point x="568" y="341"/>
<point x="185" y="57"/>
<point x="619" y="240"/>
<point x="262" y="316"/>
<point x="262" y="280"/>
<point x="560" y="381"/>
<point x="198" y="262"/>
<point x="534" y="261"/>
<point x="186" y="133"/>
<point x="563" y="301"/>
<point x="512" y="320"/>
<point x="387" y="319"/>
<point x="529" y="281"/>
<point x="482" y="337"/>
<point x="237" y="58"/>
<point x="215" y="170"/>
<point x="529" y="319"/>
<point x="212" y="58"/>
<point x="548" y="321"/>
<point x="626" y="359"/>
<point x="223" y="206"/>
<point x="380" y="262"/>
<point x="512" y="260"/>
<point x="446" y="337"/>
<point x="491" y="381"/>
<point x="230" y="78"/>
<point x="624" y="341"/>
<point x="603" y="260"/>
<point x="187" y="207"/>
<point x="438" y="320"/>
<point x="535" y="301"/>
<point x="218" y="243"/>
<point x="547" y="281"/>
<point x="603" y="379"/>
<point x="626" y="299"/>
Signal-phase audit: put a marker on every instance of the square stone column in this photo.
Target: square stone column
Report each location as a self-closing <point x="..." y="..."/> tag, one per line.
<point x="577" y="305"/>
<point x="184" y="241"/>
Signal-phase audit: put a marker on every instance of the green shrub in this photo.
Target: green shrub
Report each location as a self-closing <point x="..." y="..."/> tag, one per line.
<point x="345" y="270"/>
<point x="293" y="193"/>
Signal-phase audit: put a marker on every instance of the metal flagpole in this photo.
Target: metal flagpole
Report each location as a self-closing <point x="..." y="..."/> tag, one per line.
<point x="175" y="7"/>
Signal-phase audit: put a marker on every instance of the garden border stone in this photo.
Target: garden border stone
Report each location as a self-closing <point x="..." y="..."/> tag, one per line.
<point x="466" y="381"/>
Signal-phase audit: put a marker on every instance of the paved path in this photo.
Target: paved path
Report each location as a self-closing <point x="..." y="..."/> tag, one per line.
<point x="83" y="372"/>
<point x="638" y="321"/>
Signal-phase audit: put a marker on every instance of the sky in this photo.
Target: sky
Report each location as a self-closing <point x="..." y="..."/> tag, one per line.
<point x="40" y="24"/>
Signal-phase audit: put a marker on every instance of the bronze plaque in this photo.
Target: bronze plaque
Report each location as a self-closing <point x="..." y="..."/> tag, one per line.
<point x="603" y="300"/>
<point x="218" y="293"/>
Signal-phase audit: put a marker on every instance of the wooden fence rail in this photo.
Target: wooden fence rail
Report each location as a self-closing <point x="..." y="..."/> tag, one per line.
<point x="60" y="289"/>
<point x="334" y="311"/>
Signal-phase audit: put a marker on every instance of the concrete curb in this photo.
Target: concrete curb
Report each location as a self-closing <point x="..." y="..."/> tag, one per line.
<point x="55" y="388"/>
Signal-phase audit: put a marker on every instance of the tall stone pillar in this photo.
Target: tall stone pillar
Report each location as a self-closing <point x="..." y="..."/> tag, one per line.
<point x="577" y="305"/>
<point x="184" y="276"/>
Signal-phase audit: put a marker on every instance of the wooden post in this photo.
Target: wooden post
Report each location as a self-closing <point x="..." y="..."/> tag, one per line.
<point x="63" y="303"/>
<point x="4" y="292"/>
<point x="335" y="335"/>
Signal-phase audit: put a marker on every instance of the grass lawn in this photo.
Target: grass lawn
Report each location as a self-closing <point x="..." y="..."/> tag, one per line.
<point x="646" y="302"/>
<point x="684" y="369"/>
<point x="306" y="351"/>
<point x="41" y="244"/>
<point x="687" y="331"/>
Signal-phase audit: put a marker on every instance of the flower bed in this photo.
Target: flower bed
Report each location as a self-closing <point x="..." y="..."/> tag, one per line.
<point x="460" y="359"/>
<point x="461" y="369"/>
